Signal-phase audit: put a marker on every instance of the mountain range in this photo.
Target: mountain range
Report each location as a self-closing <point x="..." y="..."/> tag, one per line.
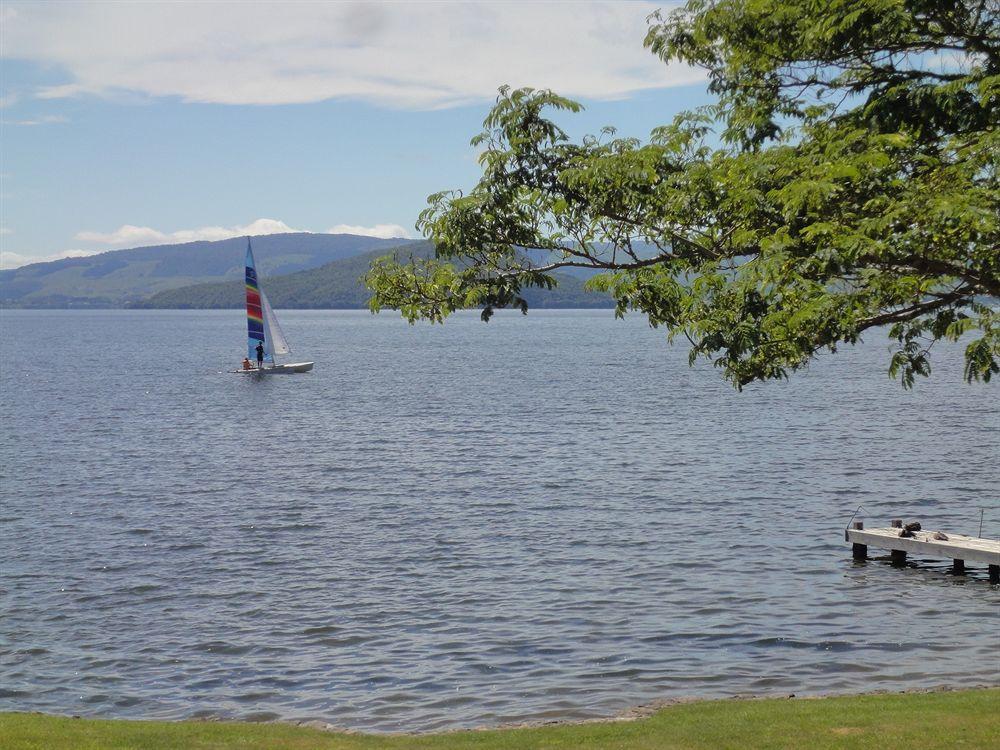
<point x="297" y="270"/>
<point x="120" y="278"/>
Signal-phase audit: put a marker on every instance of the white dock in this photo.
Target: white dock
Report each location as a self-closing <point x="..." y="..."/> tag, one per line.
<point x="957" y="547"/>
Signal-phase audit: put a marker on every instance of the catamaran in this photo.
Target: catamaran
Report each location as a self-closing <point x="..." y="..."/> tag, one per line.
<point x="263" y="329"/>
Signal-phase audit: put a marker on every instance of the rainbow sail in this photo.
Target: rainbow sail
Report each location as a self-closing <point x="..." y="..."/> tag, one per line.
<point x="255" y="312"/>
<point x="262" y="324"/>
<point x="263" y="329"/>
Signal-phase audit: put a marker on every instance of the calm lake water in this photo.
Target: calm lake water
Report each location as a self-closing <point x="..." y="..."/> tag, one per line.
<point x="542" y="517"/>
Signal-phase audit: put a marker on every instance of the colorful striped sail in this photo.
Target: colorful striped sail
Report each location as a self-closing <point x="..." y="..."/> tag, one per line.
<point x="255" y="312"/>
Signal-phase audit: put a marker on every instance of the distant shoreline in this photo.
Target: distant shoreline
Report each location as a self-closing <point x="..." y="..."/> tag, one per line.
<point x="302" y="271"/>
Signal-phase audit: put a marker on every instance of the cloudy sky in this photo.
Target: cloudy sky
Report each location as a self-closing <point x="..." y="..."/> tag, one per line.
<point x="126" y="124"/>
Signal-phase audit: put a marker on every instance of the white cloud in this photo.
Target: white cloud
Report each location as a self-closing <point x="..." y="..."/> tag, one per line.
<point x="385" y="231"/>
<point x="133" y="236"/>
<point x="125" y="234"/>
<point x="42" y="120"/>
<point x="129" y="235"/>
<point x="64" y="91"/>
<point x="16" y="260"/>
<point x="401" y="54"/>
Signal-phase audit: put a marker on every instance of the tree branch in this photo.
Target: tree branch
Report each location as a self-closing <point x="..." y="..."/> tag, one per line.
<point x="915" y="311"/>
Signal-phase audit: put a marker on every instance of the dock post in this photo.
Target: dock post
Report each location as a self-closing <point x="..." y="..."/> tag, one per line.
<point x="994" y="573"/>
<point x="859" y="551"/>
<point x="898" y="556"/>
<point x="958" y="567"/>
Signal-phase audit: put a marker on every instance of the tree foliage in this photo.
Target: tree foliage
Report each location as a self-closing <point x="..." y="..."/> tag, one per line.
<point x="845" y="179"/>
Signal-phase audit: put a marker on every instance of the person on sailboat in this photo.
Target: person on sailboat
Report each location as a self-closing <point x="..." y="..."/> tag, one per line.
<point x="246" y="364"/>
<point x="260" y="354"/>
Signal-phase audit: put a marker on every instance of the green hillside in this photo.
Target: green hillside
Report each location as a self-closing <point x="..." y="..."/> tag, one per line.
<point x="121" y="277"/>
<point x="337" y="285"/>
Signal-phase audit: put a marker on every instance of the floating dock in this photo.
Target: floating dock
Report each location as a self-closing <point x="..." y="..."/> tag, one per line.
<point x="957" y="547"/>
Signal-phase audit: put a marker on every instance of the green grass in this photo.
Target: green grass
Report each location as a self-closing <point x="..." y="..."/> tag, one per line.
<point x="964" y="719"/>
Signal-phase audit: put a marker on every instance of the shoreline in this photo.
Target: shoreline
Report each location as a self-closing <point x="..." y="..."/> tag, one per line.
<point x="632" y="713"/>
<point x="645" y="710"/>
<point x="938" y="717"/>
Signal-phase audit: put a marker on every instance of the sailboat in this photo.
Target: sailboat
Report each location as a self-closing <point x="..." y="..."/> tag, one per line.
<point x="263" y="329"/>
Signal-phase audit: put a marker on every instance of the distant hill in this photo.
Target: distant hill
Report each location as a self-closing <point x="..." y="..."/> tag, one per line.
<point x="122" y="277"/>
<point x="337" y="285"/>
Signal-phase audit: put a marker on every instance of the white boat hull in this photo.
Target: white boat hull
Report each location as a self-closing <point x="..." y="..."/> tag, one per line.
<point x="279" y="369"/>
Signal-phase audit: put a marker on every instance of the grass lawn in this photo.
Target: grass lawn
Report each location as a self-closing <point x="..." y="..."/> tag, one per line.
<point x="946" y="720"/>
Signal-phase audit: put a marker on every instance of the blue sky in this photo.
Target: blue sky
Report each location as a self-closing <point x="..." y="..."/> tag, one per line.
<point x="139" y="123"/>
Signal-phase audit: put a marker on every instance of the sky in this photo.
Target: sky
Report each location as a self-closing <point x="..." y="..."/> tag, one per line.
<point x="137" y="123"/>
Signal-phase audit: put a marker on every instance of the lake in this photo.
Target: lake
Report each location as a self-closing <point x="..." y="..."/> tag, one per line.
<point x="543" y="517"/>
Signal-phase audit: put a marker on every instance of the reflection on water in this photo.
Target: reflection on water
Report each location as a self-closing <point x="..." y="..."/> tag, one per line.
<point x="543" y="517"/>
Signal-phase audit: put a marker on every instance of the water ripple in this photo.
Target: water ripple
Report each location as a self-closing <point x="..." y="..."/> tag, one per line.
<point x="549" y="517"/>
